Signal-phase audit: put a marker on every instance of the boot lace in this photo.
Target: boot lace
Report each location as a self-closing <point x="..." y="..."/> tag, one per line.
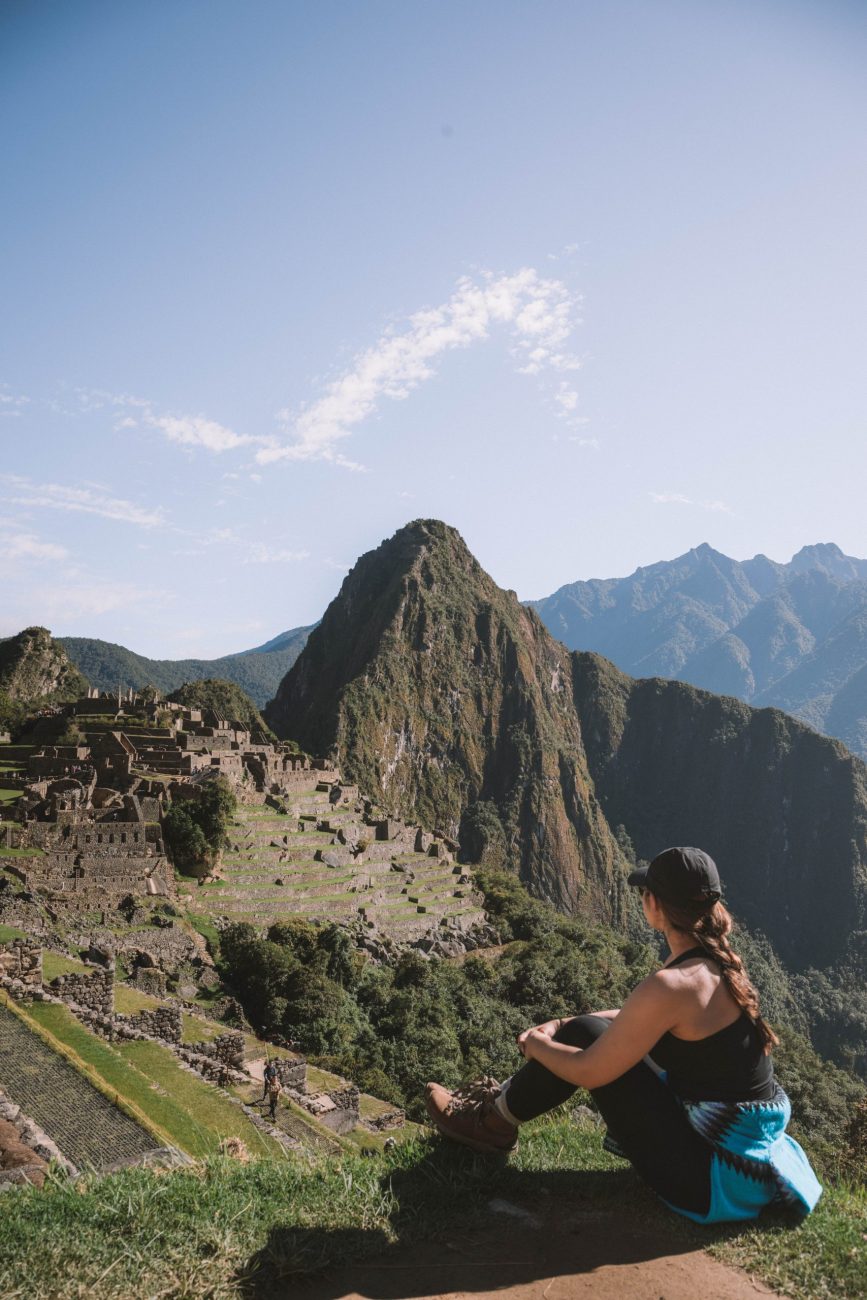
<point x="479" y="1094"/>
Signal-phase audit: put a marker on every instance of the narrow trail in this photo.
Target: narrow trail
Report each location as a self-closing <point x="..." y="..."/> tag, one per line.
<point x="558" y="1252"/>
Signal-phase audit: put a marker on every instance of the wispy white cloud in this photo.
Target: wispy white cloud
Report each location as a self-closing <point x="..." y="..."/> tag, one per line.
<point x="539" y="314"/>
<point x="198" y="431"/>
<point x="96" y="399"/>
<point x="11" y="404"/>
<point x="678" y="499"/>
<point x="188" y="430"/>
<point x="89" y="499"/>
<point x="566" y="398"/>
<point x="260" y="553"/>
<point x="26" y="546"/>
<point x="247" y="550"/>
<point x="568" y="250"/>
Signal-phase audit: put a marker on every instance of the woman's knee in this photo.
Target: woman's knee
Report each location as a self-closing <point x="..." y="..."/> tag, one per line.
<point x="581" y="1031"/>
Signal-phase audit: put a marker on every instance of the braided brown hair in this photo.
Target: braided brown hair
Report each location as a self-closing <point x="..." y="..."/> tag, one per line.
<point x="711" y="928"/>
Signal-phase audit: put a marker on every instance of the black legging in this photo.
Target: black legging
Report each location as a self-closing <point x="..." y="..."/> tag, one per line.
<point x="642" y="1113"/>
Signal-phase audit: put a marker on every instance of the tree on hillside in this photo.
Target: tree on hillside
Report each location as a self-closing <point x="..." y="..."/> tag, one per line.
<point x="225" y="699"/>
<point x="195" y="830"/>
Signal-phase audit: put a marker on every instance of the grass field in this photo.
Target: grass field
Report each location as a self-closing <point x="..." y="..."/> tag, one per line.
<point x="54" y="964"/>
<point x="9" y="932"/>
<point x="128" y="1000"/>
<point x="191" y="1113"/>
<point x="225" y="1230"/>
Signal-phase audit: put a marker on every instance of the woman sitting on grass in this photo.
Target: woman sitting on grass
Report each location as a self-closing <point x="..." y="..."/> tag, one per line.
<point x="682" y="1074"/>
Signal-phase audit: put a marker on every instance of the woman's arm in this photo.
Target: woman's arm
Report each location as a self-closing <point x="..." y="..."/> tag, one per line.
<point x="643" y="1019"/>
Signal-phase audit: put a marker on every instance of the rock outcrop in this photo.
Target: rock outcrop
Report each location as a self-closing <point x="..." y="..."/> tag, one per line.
<point x="35" y="669"/>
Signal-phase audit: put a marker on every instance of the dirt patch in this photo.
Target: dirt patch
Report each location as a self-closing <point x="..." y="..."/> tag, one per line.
<point x="556" y="1252"/>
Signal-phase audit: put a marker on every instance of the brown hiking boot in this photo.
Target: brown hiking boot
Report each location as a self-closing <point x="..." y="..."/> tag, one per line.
<point x="467" y="1116"/>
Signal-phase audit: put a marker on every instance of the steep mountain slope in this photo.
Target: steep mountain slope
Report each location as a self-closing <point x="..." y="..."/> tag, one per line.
<point x="436" y="690"/>
<point x="781" y="809"/>
<point x="258" y="672"/>
<point x="440" y="692"/>
<point x="787" y="635"/>
<point x="34" y="669"/>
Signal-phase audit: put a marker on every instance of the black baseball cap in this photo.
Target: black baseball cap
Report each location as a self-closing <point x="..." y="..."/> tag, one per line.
<point x="680" y="876"/>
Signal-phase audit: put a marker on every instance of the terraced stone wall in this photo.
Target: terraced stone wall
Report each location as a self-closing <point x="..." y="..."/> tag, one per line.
<point x="22" y="960"/>
<point x="227" y="1049"/>
<point x="150" y="979"/>
<point x="164" y="1022"/>
<point x="94" y="990"/>
<point x="387" y="1120"/>
<point x="292" y="1073"/>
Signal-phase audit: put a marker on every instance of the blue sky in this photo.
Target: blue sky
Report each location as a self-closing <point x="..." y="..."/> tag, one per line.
<point x="586" y="280"/>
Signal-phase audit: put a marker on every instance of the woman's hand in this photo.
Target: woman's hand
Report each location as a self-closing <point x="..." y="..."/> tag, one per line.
<point x="548" y="1030"/>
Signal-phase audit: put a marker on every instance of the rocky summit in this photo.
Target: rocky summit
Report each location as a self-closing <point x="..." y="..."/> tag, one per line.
<point x="439" y="693"/>
<point x="447" y="699"/>
<point x="35" y="669"/>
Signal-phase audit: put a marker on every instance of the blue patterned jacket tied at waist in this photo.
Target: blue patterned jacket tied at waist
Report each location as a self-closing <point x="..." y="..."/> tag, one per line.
<point x="755" y="1162"/>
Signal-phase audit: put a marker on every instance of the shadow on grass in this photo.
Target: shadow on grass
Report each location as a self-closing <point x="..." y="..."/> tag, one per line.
<point x="461" y="1224"/>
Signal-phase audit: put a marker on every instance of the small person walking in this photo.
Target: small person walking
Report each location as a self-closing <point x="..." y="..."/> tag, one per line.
<point x="269" y="1074"/>
<point x="274" y="1090"/>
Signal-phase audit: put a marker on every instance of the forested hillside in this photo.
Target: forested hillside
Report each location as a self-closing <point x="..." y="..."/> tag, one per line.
<point x="258" y="672"/>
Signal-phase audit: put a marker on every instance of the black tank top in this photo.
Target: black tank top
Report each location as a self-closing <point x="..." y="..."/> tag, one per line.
<point x="726" y="1066"/>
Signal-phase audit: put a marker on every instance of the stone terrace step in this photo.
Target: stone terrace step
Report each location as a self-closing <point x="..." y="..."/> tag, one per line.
<point x="270" y="844"/>
<point x="87" y="1127"/>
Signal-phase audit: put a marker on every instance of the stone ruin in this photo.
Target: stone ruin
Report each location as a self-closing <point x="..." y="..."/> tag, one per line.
<point x="90" y="996"/>
<point x="89" y="823"/>
<point x="92" y="809"/>
<point x="94" y="990"/>
<point x="91" y="845"/>
<point x="337" y="1110"/>
<point x="21" y="966"/>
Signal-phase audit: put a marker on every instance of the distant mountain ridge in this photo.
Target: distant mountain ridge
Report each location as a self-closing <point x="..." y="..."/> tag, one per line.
<point x="447" y="699"/>
<point x="258" y="672"/>
<point x="792" y="636"/>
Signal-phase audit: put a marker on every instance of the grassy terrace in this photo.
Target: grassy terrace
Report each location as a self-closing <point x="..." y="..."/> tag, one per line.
<point x="265" y="845"/>
<point x="225" y="1230"/>
<point x="191" y="1113"/>
<point x="55" y="963"/>
<point x="86" y="1120"/>
<point x="197" y="1028"/>
<point x="9" y="932"/>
